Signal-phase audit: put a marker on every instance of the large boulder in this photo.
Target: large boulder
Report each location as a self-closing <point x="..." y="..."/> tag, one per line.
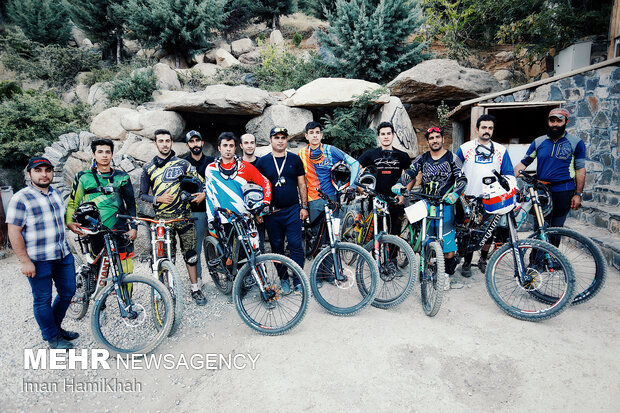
<point x="215" y="99"/>
<point x="442" y="79"/>
<point x="167" y="78"/>
<point x="250" y="58"/>
<point x="78" y="35"/>
<point x="146" y="122"/>
<point x="224" y="59"/>
<point x="241" y="46"/>
<point x="209" y="56"/>
<point x="333" y="92"/>
<point x="394" y="111"/>
<point x="276" y="37"/>
<point x="107" y="124"/>
<point x="144" y="150"/>
<point x="97" y="97"/>
<point x="206" y="69"/>
<point x="293" y="119"/>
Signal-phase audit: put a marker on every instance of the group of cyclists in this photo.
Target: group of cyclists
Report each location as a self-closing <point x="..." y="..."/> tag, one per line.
<point x="196" y="185"/>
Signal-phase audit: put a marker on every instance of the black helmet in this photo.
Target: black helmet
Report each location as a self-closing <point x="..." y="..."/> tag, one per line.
<point x="252" y="195"/>
<point x="189" y="185"/>
<point x="341" y="175"/>
<point x="87" y="216"/>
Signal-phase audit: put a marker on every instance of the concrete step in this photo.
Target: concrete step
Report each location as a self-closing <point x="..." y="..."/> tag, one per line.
<point x="608" y="242"/>
<point x="599" y="215"/>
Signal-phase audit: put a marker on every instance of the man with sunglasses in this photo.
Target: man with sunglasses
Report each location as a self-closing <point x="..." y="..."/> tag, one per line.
<point x="389" y="164"/>
<point x="480" y="157"/>
<point x="441" y="175"/>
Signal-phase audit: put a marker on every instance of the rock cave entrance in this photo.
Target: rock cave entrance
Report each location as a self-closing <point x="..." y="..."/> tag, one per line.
<point x="210" y="126"/>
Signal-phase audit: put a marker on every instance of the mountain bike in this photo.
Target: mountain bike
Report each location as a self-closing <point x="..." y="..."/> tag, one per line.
<point x="162" y="262"/>
<point x="583" y="254"/>
<point x="394" y="257"/>
<point x="423" y="210"/>
<point x="343" y="276"/>
<point x="123" y="316"/>
<point x="528" y="279"/>
<point x="256" y="286"/>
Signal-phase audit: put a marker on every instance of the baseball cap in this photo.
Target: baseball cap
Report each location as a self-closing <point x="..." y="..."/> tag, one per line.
<point x="558" y="113"/>
<point x="37" y="161"/>
<point x="277" y="130"/>
<point x="191" y="134"/>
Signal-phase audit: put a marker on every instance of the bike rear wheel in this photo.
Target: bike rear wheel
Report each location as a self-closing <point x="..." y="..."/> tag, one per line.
<point x="583" y="254"/>
<point x="397" y="271"/>
<point x="81" y="299"/>
<point x="433" y="279"/>
<point x="169" y="276"/>
<point x="272" y="313"/>
<point x="137" y="333"/>
<point x="217" y="269"/>
<point x="351" y="290"/>
<point x="552" y="276"/>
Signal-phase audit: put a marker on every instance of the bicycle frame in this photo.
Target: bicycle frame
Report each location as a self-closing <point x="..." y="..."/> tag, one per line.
<point x="423" y="238"/>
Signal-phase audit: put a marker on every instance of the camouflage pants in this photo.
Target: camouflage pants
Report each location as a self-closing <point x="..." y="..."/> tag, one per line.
<point x="186" y="232"/>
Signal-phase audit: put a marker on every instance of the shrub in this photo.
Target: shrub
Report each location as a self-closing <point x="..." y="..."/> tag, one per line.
<point x="137" y="87"/>
<point x="297" y="39"/>
<point x="31" y="121"/>
<point x="348" y="127"/>
<point x="280" y="69"/>
<point x="8" y="90"/>
<point x="45" y="21"/>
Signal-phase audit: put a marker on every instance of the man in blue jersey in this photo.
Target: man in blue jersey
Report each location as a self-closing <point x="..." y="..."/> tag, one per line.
<point x="480" y="157"/>
<point x="561" y="164"/>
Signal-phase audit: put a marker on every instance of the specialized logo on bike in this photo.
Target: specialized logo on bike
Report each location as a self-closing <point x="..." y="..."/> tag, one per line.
<point x="172" y="173"/>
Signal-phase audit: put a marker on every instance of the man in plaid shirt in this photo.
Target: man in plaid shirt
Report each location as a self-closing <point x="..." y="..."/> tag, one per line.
<point x="35" y="218"/>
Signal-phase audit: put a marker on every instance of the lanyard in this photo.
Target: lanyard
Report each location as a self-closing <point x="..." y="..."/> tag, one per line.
<point x="280" y="169"/>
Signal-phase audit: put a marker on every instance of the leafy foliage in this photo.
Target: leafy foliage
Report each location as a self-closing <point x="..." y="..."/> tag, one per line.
<point x="31" y="121"/>
<point x="269" y="11"/>
<point x="452" y="21"/>
<point x="180" y="27"/>
<point x="8" y="90"/>
<point x="238" y="14"/>
<point x="348" y="127"/>
<point x="297" y="38"/>
<point x="44" y="21"/>
<point x="318" y="8"/>
<point x="137" y="87"/>
<point x="442" y="114"/>
<point x="280" y="69"/>
<point x="370" y="42"/>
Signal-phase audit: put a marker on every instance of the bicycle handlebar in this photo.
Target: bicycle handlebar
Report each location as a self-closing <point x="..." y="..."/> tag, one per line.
<point x="365" y="188"/>
<point x="502" y="181"/>
<point x="414" y="194"/>
<point x="142" y="220"/>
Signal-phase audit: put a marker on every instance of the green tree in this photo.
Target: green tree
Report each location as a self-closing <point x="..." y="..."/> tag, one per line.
<point x="180" y="27"/>
<point x="452" y="22"/>
<point x="373" y="42"/>
<point x="238" y="15"/>
<point x="44" y="21"/>
<point x="269" y="11"/>
<point x="102" y="21"/>
<point x="318" y="8"/>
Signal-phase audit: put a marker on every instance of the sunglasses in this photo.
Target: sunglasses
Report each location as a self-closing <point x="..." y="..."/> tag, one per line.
<point x="279" y="130"/>
<point x="434" y="129"/>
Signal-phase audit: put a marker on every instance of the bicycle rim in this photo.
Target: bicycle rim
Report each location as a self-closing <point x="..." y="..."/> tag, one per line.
<point x="433" y="280"/>
<point x="218" y="273"/>
<point x="80" y="301"/>
<point x="552" y="276"/>
<point x="275" y="313"/>
<point x="138" y="333"/>
<point x="169" y="275"/>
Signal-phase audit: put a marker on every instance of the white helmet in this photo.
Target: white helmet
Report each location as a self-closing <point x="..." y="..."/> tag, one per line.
<point x="495" y="198"/>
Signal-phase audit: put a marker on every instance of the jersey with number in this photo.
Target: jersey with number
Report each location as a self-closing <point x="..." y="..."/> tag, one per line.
<point x="224" y="191"/>
<point x="476" y="165"/>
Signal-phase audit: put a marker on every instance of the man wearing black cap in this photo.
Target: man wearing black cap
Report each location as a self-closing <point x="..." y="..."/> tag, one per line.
<point x="199" y="160"/>
<point x="36" y="224"/>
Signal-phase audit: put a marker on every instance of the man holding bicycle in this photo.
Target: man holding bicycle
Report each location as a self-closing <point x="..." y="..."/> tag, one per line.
<point x="286" y="173"/>
<point x="161" y="178"/>
<point x="441" y="175"/>
<point x="112" y="193"/>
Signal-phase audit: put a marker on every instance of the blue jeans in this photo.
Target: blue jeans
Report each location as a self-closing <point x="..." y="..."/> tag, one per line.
<point x="201" y="225"/>
<point x="283" y="223"/>
<point x="49" y="316"/>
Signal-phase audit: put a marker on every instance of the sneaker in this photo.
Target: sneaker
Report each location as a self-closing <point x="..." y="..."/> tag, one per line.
<point x="68" y="335"/>
<point x="199" y="297"/>
<point x="446" y="286"/>
<point x="482" y="265"/>
<point x="59" y="343"/>
<point x="466" y="270"/>
<point x="286" y="286"/>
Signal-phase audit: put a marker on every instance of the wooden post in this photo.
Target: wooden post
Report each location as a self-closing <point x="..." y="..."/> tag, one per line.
<point x="614" y="29"/>
<point x="4" y="232"/>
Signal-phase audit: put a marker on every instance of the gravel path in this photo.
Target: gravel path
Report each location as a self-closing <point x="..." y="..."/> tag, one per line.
<point x="470" y="357"/>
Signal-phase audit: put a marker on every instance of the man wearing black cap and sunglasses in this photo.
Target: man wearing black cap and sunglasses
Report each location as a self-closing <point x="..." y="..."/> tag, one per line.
<point x="480" y="157"/>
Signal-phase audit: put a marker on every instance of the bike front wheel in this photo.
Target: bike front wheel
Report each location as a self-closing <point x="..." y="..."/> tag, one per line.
<point x="551" y="276"/>
<point x="137" y="332"/>
<point x="169" y="276"/>
<point x="432" y="279"/>
<point x="217" y="269"/>
<point x="352" y="287"/>
<point x="80" y="301"/>
<point x="271" y="312"/>
<point x="398" y="269"/>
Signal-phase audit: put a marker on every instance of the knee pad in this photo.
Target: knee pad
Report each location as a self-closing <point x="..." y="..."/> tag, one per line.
<point x="191" y="257"/>
<point x="451" y="264"/>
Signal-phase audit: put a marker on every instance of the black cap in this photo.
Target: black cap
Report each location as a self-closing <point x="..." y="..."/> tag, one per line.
<point x="189" y="135"/>
<point x="277" y="130"/>
<point x="37" y="161"/>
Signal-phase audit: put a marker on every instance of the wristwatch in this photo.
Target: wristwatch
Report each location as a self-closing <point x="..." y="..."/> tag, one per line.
<point x="305" y="207"/>
<point x="580" y="194"/>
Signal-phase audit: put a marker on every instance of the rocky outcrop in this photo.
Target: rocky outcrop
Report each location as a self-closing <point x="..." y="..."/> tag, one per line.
<point x="332" y="92"/>
<point x="114" y="123"/>
<point x="442" y="79"/>
<point x="241" y="46"/>
<point x="216" y="99"/>
<point x="225" y="59"/>
<point x="276" y="37"/>
<point x="167" y="78"/>
<point x="250" y="58"/>
<point x="394" y="112"/>
<point x="97" y="97"/>
<point x="293" y="119"/>
<point x="107" y="124"/>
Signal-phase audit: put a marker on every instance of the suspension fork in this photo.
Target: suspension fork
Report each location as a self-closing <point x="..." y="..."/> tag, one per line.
<point x="332" y="244"/>
<point x="115" y="268"/>
<point x="540" y="219"/>
<point x="524" y="277"/>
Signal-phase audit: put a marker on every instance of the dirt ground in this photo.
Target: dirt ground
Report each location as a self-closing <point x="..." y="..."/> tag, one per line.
<point x="470" y="357"/>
